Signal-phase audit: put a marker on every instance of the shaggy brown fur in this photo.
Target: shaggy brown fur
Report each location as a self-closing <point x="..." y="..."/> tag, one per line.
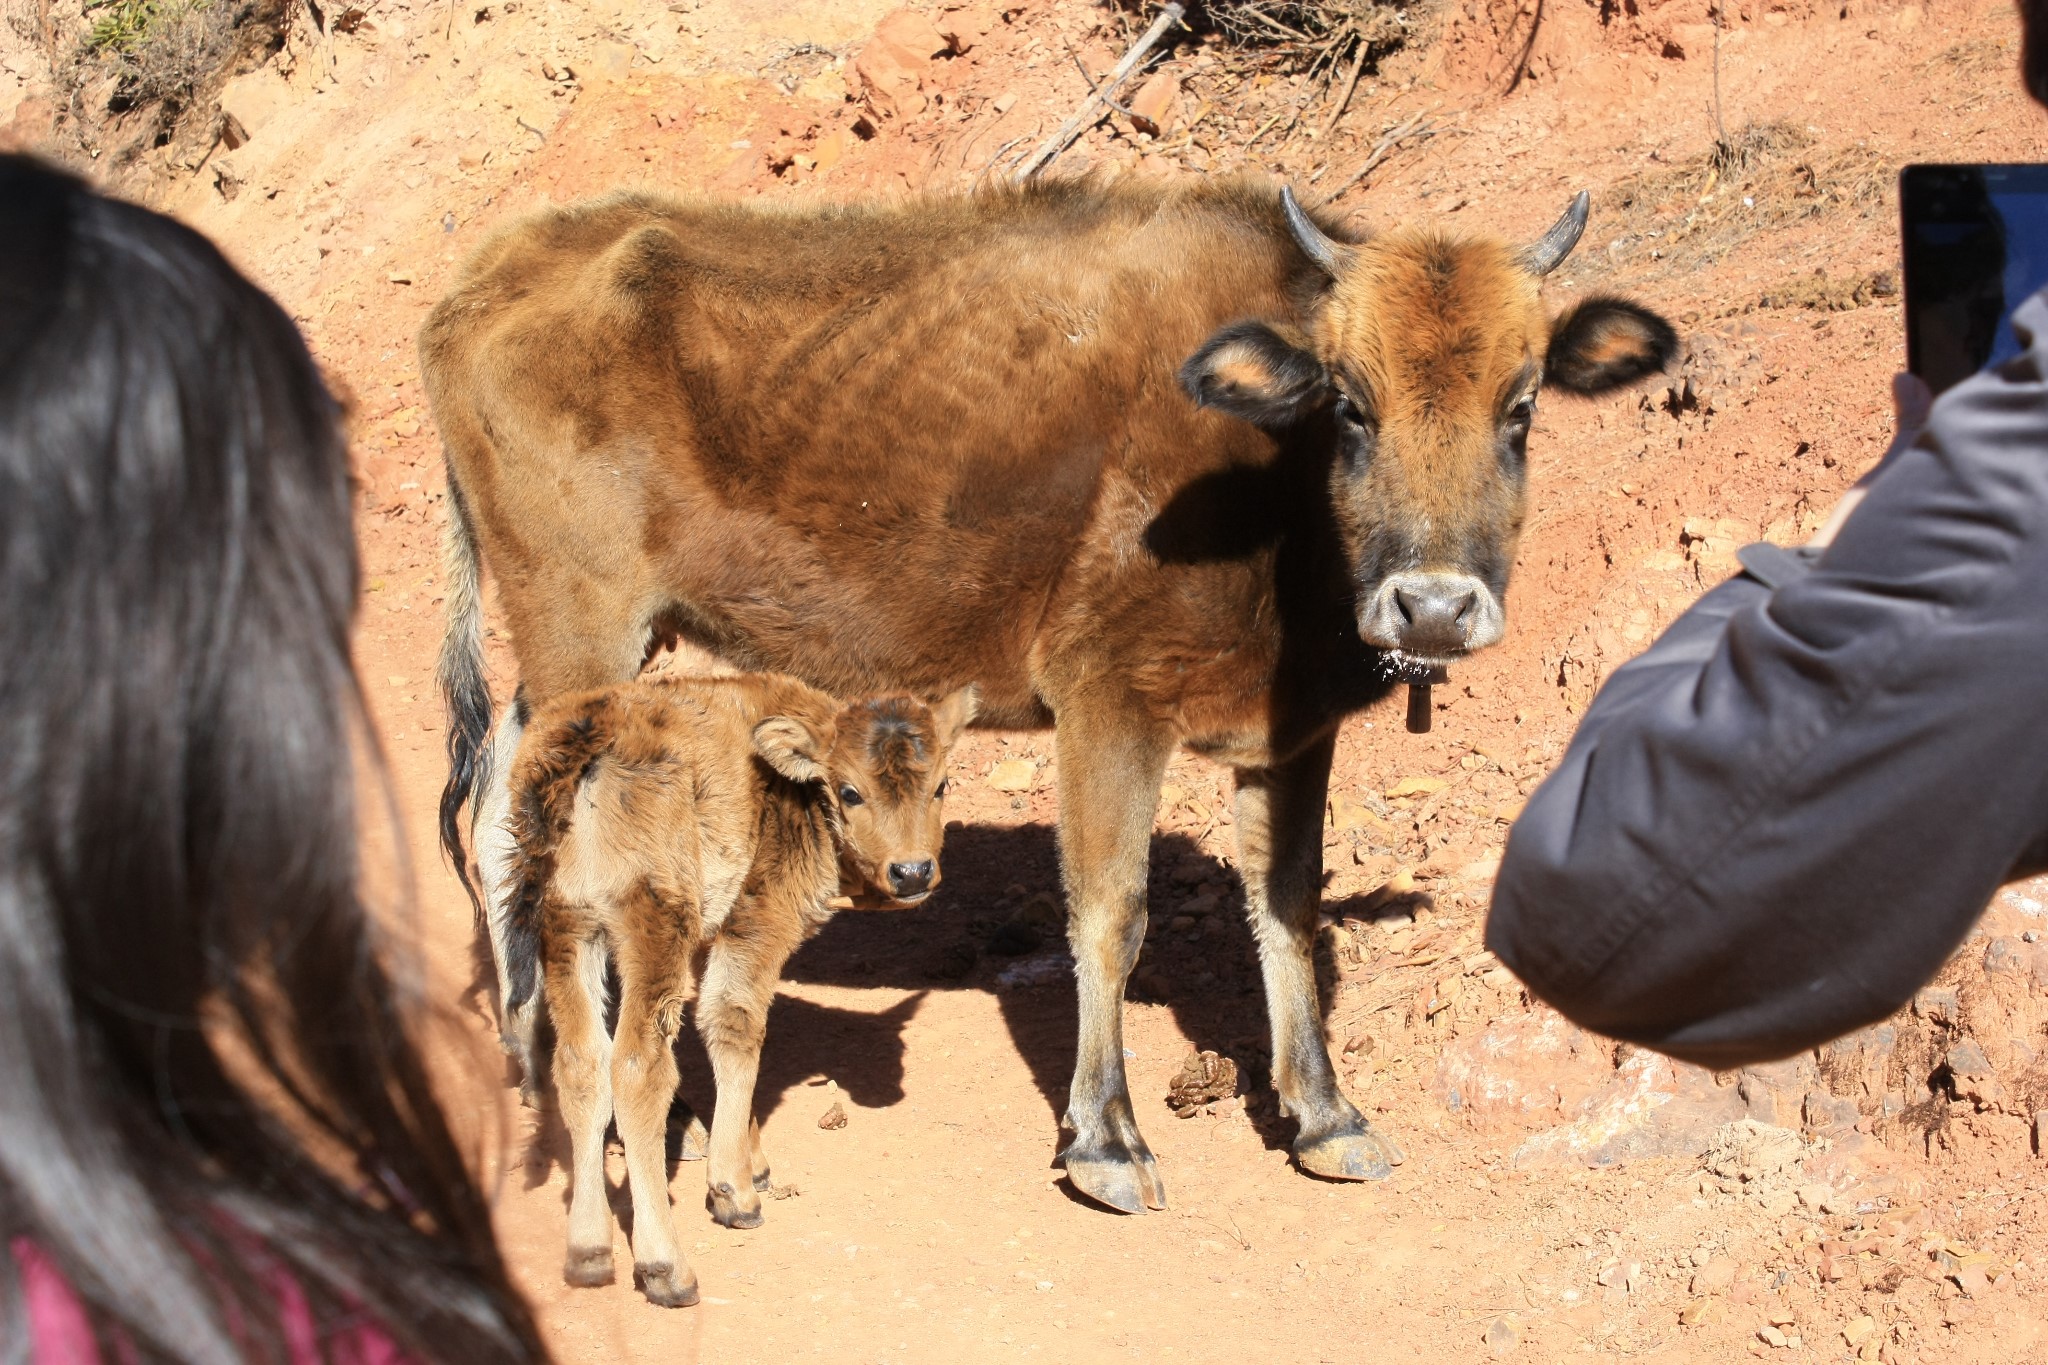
<point x="691" y="831"/>
<point x="1157" y="461"/>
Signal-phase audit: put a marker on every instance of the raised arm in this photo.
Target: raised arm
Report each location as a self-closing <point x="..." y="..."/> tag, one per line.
<point x="1775" y="825"/>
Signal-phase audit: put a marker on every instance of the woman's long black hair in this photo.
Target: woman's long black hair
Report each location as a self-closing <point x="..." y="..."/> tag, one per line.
<point x="207" y="1083"/>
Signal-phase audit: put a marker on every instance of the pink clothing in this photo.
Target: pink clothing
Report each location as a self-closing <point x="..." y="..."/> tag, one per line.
<point x="62" y="1334"/>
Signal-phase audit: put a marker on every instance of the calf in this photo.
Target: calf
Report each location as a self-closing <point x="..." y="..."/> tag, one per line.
<point x="682" y="830"/>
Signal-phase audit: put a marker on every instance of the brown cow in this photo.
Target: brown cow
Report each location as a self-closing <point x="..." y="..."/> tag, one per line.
<point x="1152" y="463"/>
<point x="692" y="830"/>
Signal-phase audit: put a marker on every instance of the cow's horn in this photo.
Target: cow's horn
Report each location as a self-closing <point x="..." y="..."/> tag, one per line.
<point x="1323" y="249"/>
<point x="1550" y="250"/>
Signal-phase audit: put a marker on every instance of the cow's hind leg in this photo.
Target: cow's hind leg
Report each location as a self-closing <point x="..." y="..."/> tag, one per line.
<point x="654" y="969"/>
<point x="1280" y="852"/>
<point x="1110" y="767"/>
<point x="583" y="1086"/>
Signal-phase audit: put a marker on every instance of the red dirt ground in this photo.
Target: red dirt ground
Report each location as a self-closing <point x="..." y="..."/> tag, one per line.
<point x="1554" y="1202"/>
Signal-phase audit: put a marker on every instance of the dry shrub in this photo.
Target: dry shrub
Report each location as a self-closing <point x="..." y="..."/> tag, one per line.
<point x="1766" y="178"/>
<point x="1302" y="23"/>
<point x="162" y="50"/>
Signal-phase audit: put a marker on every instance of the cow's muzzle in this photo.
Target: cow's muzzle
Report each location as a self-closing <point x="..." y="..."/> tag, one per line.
<point x="1432" y="617"/>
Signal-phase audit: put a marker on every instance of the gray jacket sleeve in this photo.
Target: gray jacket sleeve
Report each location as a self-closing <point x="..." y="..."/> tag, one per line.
<point x="1777" y="823"/>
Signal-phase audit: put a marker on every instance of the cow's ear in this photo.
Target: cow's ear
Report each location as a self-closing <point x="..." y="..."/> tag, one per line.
<point x="1602" y="343"/>
<point x="952" y="713"/>
<point x="1249" y="370"/>
<point x="793" y="748"/>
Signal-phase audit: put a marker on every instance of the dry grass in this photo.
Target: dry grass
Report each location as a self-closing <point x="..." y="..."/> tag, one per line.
<point x="162" y="50"/>
<point x="1766" y="178"/>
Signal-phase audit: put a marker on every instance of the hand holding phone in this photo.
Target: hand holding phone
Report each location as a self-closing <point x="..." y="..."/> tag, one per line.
<point x="1975" y="241"/>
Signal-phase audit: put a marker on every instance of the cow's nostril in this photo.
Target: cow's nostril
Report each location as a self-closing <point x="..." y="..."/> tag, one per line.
<point x="1404" y="606"/>
<point x="910" y="879"/>
<point x="1465" y="610"/>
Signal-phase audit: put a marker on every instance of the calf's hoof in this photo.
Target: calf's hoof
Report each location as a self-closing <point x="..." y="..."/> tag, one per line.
<point x="1351" y="1151"/>
<point x="588" y="1267"/>
<point x="1116" y="1173"/>
<point x="666" y="1286"/>
<point x="696" y="1141"/>
<point x="726" y="1208"/>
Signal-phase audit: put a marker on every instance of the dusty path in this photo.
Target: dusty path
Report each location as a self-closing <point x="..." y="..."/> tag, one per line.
<point x="1555" y="1202"/>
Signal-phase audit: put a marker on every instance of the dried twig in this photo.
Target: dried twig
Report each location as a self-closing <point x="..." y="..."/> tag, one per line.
<point x="1350" y="84"/>
<point x="1413" y="128"/>
<point x="1091" y="108"/>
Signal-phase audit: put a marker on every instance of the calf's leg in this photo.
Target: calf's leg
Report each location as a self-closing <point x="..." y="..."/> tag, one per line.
<point x="1280" y="853"/>
<point x="583" y="1086"/>
<point x="1111" y="762"/>
<point x="654" y="972"/>
<point x="732" y="1016"/>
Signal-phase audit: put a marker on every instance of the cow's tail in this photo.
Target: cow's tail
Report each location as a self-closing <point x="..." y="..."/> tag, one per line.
<point x="554" y="764"/>
<point x="465" y="691"/>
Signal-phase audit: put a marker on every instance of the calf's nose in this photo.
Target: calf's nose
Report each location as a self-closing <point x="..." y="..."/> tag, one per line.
<point x="910" y="879"/>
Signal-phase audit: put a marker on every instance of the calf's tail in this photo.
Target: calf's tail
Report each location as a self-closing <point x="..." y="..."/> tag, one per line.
<point x="465" y="692"/>
<point x="555" y="762"/>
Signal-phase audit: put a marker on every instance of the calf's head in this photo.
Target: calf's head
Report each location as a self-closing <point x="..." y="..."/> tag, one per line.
<point x="883" y="766"/>
<point x="1422" y="360"/>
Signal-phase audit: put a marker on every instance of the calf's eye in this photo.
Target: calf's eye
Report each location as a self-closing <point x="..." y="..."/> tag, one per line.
<point x="1348" y="413"/>
<point x="940" y="790"/>
<point x="849" y="797"/>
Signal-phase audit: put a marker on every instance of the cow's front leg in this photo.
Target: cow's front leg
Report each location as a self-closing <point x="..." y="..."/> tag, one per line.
<point x="1280" y="853"/>
<point x="1110" y="767"/>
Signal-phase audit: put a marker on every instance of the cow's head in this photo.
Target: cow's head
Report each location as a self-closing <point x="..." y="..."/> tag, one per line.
<point x="883" y="766"/>
<point x="1424" y="356"/>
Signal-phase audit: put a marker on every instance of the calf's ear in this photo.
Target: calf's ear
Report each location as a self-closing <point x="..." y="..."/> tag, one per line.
<point x="1603" y="343"/>
<point x="1249" y="370"/>
<point x="953" y="713"/>
<point x="792" y="748"/>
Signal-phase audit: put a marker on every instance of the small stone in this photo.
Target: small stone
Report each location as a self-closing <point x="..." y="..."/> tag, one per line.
<point x="1156" y="104"/>
<point x="1770" y="1336"/>
<point x="1013" y="775"/>
<point x="1415" y="786"/>
<point x="1501" y="1336"/>
<point x="1972" y="1280"/>
<point x="1859" y="1330"/>
<point x="833" y="1119"/>
<point x="1717" y="1276"/>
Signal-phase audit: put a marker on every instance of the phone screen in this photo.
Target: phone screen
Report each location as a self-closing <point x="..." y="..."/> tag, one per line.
<point x="1976" y="247"/>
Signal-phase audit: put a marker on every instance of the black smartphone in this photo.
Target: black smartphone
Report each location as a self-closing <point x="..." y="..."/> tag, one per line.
<point x="1975" y="241"/>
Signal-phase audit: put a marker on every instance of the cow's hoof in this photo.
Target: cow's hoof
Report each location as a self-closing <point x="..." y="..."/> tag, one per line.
<point x="588" y="1267"/>
<point x="696" y="1141"/>
<point x="1350" y="1153"/>
<point x="665" y="1286"/>
<point x="1114" y="1175"/>
<point x="726" y="1209"/>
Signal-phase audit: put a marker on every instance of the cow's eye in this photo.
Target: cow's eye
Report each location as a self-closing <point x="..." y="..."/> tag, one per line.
<point x="1523" y="412"/>
<point x="940" y="790"/>
<point x="1348" y="413"/>
<point x="848" y="796"/>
